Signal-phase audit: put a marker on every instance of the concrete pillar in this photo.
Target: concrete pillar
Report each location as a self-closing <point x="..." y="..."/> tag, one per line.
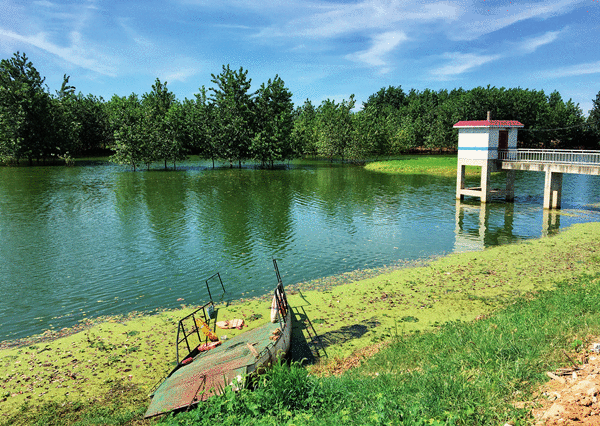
<point x="460" y="180"/>
<point x="552" y="190"/>
<point x="510" y="185"/>
<point x="485" y="182"/>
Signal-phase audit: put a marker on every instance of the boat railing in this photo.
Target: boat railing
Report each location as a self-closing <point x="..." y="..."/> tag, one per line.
<point x="188" y="331"/>
<point x="214" y="278"/>
<point x="282" y="303"/>
<point x="282" y="310"/>
<point x="280" y="297"/>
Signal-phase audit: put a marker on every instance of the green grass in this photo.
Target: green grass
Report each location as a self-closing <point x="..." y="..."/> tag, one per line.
<point x="123" y="404"/>
<point x="462" y="374"/>
<point x="438" y="165"/>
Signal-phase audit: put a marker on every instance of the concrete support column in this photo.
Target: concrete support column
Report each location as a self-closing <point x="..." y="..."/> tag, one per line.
<point x="460" y="180"/>
<point x="552" y="190"/>
<point x="485" y="182"/>
<point x="510" y="185"/>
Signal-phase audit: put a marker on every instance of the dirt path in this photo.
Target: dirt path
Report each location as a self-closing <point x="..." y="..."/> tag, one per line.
<point x="571" y="396"/>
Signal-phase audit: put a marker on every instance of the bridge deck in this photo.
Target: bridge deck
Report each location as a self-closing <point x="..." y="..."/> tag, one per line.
<point x="553" y="162"/>
<point x="535" y="166"/>
<point x="542" y="157"/>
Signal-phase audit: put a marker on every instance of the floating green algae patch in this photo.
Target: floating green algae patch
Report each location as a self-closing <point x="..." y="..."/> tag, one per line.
<point x="138" y="351"/>
<point x="456" y="287"/>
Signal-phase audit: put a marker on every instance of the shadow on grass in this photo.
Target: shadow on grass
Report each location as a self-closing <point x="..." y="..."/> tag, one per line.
<point x="348" y="332"/>
<point x="306" y="345"/>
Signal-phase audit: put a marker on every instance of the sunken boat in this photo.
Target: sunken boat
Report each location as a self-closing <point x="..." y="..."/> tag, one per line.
<point x="211" y="366"/>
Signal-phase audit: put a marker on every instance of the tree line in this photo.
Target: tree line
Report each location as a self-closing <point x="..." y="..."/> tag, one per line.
<point x="230" y="123"/>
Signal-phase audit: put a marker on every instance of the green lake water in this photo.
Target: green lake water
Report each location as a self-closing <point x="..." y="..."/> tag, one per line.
<point x="100" y="239"/>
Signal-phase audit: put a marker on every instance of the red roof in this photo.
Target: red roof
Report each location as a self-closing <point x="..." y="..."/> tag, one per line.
<point x="489" y="123"/>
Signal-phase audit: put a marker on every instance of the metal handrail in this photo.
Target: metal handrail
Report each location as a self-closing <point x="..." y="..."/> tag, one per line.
<point x="193" y="330"/>
<point x="565" y="156"/>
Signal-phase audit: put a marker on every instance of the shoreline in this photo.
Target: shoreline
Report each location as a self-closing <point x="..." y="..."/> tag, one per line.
<point x="137" y="351"/>
<point x="317" y="284"/>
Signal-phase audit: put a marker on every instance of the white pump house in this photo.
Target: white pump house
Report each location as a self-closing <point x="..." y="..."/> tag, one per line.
<point x="484" y="143"/>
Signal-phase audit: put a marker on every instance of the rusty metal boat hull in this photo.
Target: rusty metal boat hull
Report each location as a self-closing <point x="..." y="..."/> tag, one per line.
<point x="210" y="372"/>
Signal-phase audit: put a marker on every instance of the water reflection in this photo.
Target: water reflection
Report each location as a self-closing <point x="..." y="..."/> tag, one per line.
<point x="100" y="240"/>
<point x="481" y="225"/>
<point x="551" y="222"/>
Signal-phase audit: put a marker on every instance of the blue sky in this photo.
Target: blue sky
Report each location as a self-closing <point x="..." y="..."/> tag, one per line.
<point x="321" y="49"/>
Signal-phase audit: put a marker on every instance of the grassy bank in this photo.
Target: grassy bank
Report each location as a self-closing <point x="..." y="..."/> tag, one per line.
<point x="476" y="373"/>
<point x="107" y="370"/>
<point x="439" y="165"/>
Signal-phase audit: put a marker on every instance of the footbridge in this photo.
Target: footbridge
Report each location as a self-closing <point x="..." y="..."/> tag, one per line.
<point x="554" y="162"/>
<point x="492" y="145"/>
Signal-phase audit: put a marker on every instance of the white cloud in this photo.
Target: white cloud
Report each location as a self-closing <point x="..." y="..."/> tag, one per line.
<point x="75" y="54"/>
<point x="382" y="45"/>
<point x="472" y="25"/>
<point x="573" y="70"/>
<point x="530" y="45"/>
<point x="181" y="74"/>
<point x="461" y="63"/>
<point x="180" y="69"/>
<point x="334" y="20"/>
<point x="44" y="3"/>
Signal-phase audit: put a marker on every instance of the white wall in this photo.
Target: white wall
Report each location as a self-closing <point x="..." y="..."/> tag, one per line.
<point x="473" y="143"/>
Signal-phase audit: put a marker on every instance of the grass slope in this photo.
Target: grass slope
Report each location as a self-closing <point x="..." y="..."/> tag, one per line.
<point x="476" y="373"/>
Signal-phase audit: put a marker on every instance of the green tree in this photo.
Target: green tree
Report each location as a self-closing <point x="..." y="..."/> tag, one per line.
<point x="178" y="132"/>
<point x="370" y="135"/>
<point x="24" y="112"/>
<point x="594" y="119"/>
<point x="202" y="129"/>
<point x="233" y="114"/>
<point x="274" y="122"/>
<point x="65" y="123"/>
<point x="160" y="135"/>
<point x="305" y="131"/>
<point x="335" y="128"/>
<point x="386" y="98"/>
<point x="402" y="136"/>
<point x="94" y="132"/>
<point x="127" y="120"/>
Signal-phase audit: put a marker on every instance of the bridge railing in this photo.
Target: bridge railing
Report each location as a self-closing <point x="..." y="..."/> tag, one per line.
<point x="550" y="156"/>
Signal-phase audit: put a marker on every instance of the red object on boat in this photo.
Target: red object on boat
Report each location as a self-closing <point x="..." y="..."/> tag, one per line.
<point x="208" y="346"/>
